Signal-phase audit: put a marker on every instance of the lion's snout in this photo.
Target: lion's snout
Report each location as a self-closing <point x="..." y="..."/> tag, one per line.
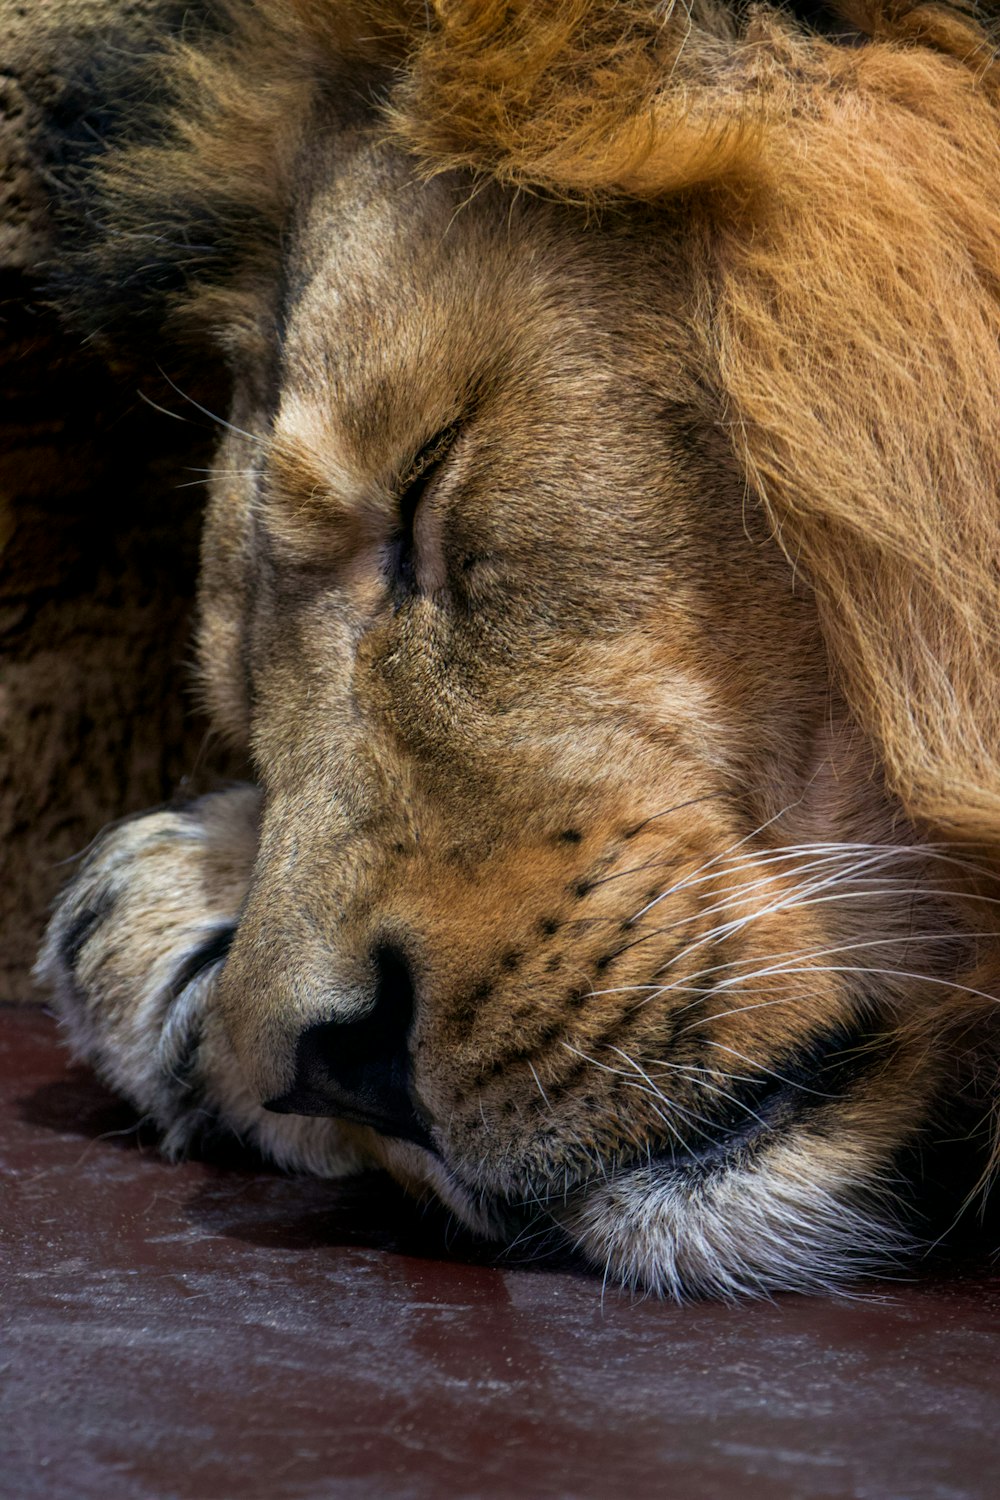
<point x="359" y="1068"/>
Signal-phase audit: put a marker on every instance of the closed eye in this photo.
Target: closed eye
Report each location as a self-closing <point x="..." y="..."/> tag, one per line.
<point x="402" y="561"/>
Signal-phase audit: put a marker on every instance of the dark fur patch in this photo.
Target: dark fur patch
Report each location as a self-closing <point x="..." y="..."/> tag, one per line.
<point x="109" y="274"/>
<point x="211" y="952"/>
<point x="819" y="17"/>
<point x="795" y="1085"/>
<point x="82" y="927"/>
<point x="183" y="1072"/>
<point x="540" y="1044"/>
<point x="465" y="1012"/>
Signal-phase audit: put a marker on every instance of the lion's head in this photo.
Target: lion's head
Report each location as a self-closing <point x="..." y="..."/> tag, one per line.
<point x="600" y="570"/>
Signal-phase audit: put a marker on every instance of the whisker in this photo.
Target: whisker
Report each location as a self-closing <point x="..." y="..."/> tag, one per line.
<point x="796" y="901"/>
<point x="209" y="474"/>
<point x="794" y="897"/>
<point x="212" y="416"/>
<point x="831" y="851"/>
<point x="780" y="959"/>
<point x="702" y="1083"/>
<point x="755" y="858"/>
<point x="793" y="1083"/>
<point x="677" y="807"/>
<point x="779" y="965"/>
<point x="738" y="1010"/>
<point x="790" y="899"/>
<point x="948" y="984"/>
<point x="651" y="1090"/>
<point x="538" y="1081"/>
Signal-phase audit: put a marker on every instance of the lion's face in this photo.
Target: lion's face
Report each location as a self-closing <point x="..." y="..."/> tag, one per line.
<point x="605" y="591"/>
<point x="561" y="814"/>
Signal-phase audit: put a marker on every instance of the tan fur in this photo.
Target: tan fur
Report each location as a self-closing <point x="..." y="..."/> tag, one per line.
<point x="667" y="762"/>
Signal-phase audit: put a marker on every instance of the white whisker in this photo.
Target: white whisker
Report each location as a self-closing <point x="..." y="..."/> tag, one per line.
<point x="538" y="1081"/>
<point x="212" y="415"/>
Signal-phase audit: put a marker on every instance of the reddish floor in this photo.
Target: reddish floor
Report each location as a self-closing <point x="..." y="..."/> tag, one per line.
<point x="198" y="1331"/>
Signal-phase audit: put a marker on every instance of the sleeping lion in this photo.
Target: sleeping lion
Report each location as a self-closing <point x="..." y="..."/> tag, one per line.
<point x="601" y="576"/>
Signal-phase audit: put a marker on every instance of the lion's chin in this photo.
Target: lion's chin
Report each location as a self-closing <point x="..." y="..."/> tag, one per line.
<point x="799" y="1216"/>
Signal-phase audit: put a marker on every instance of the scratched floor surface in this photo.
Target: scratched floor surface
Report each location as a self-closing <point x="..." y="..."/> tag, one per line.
<point x="217" y="1331"/>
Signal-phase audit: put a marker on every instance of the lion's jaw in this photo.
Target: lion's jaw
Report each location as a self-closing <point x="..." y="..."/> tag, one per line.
<point x="806" y="1212"/>
<point x="558" y="748"/>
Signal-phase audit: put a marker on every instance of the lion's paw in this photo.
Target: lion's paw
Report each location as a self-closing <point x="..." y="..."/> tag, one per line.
<point x="133" y="954"/>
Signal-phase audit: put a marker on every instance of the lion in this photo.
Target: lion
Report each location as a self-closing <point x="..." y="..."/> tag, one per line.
<point x="600" y="576"/>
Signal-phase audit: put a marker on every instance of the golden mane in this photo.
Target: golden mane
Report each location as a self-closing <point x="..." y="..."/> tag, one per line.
<point x="843" y="198"/>
<point x="851" y="253"/>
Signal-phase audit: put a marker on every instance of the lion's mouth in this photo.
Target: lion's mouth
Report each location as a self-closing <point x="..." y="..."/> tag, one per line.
<point x="774" y="1189"/>
<point x="779" y="1191"/>
<point x="757" y="1111"/>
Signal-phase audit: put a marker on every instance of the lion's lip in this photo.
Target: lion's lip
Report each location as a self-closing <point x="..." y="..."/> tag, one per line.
<point x="759" y="1106"/>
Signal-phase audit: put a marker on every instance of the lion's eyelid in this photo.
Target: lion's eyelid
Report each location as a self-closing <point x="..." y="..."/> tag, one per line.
<point x="411" y="492"/>
<point x="430" y="455"/>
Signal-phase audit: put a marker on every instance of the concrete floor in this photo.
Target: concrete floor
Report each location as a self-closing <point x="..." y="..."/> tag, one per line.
<point x="219" y="1331"/>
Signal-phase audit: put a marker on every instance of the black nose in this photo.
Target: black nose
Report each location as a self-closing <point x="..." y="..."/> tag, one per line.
<point x="360" y="1070"/>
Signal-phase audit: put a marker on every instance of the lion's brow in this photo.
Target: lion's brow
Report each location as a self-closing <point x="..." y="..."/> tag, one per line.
<point x="308" y="467"/>
<point x="297" y="471"/>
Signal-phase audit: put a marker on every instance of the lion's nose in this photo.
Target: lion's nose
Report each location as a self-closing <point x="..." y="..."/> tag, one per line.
<point x="359" y="1069"/>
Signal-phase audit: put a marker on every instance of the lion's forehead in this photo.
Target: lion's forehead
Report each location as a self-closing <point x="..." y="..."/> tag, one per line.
<point x="411" y="299"/>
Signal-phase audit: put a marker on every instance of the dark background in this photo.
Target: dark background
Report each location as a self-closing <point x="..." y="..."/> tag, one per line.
<point x="100" y="500"/>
